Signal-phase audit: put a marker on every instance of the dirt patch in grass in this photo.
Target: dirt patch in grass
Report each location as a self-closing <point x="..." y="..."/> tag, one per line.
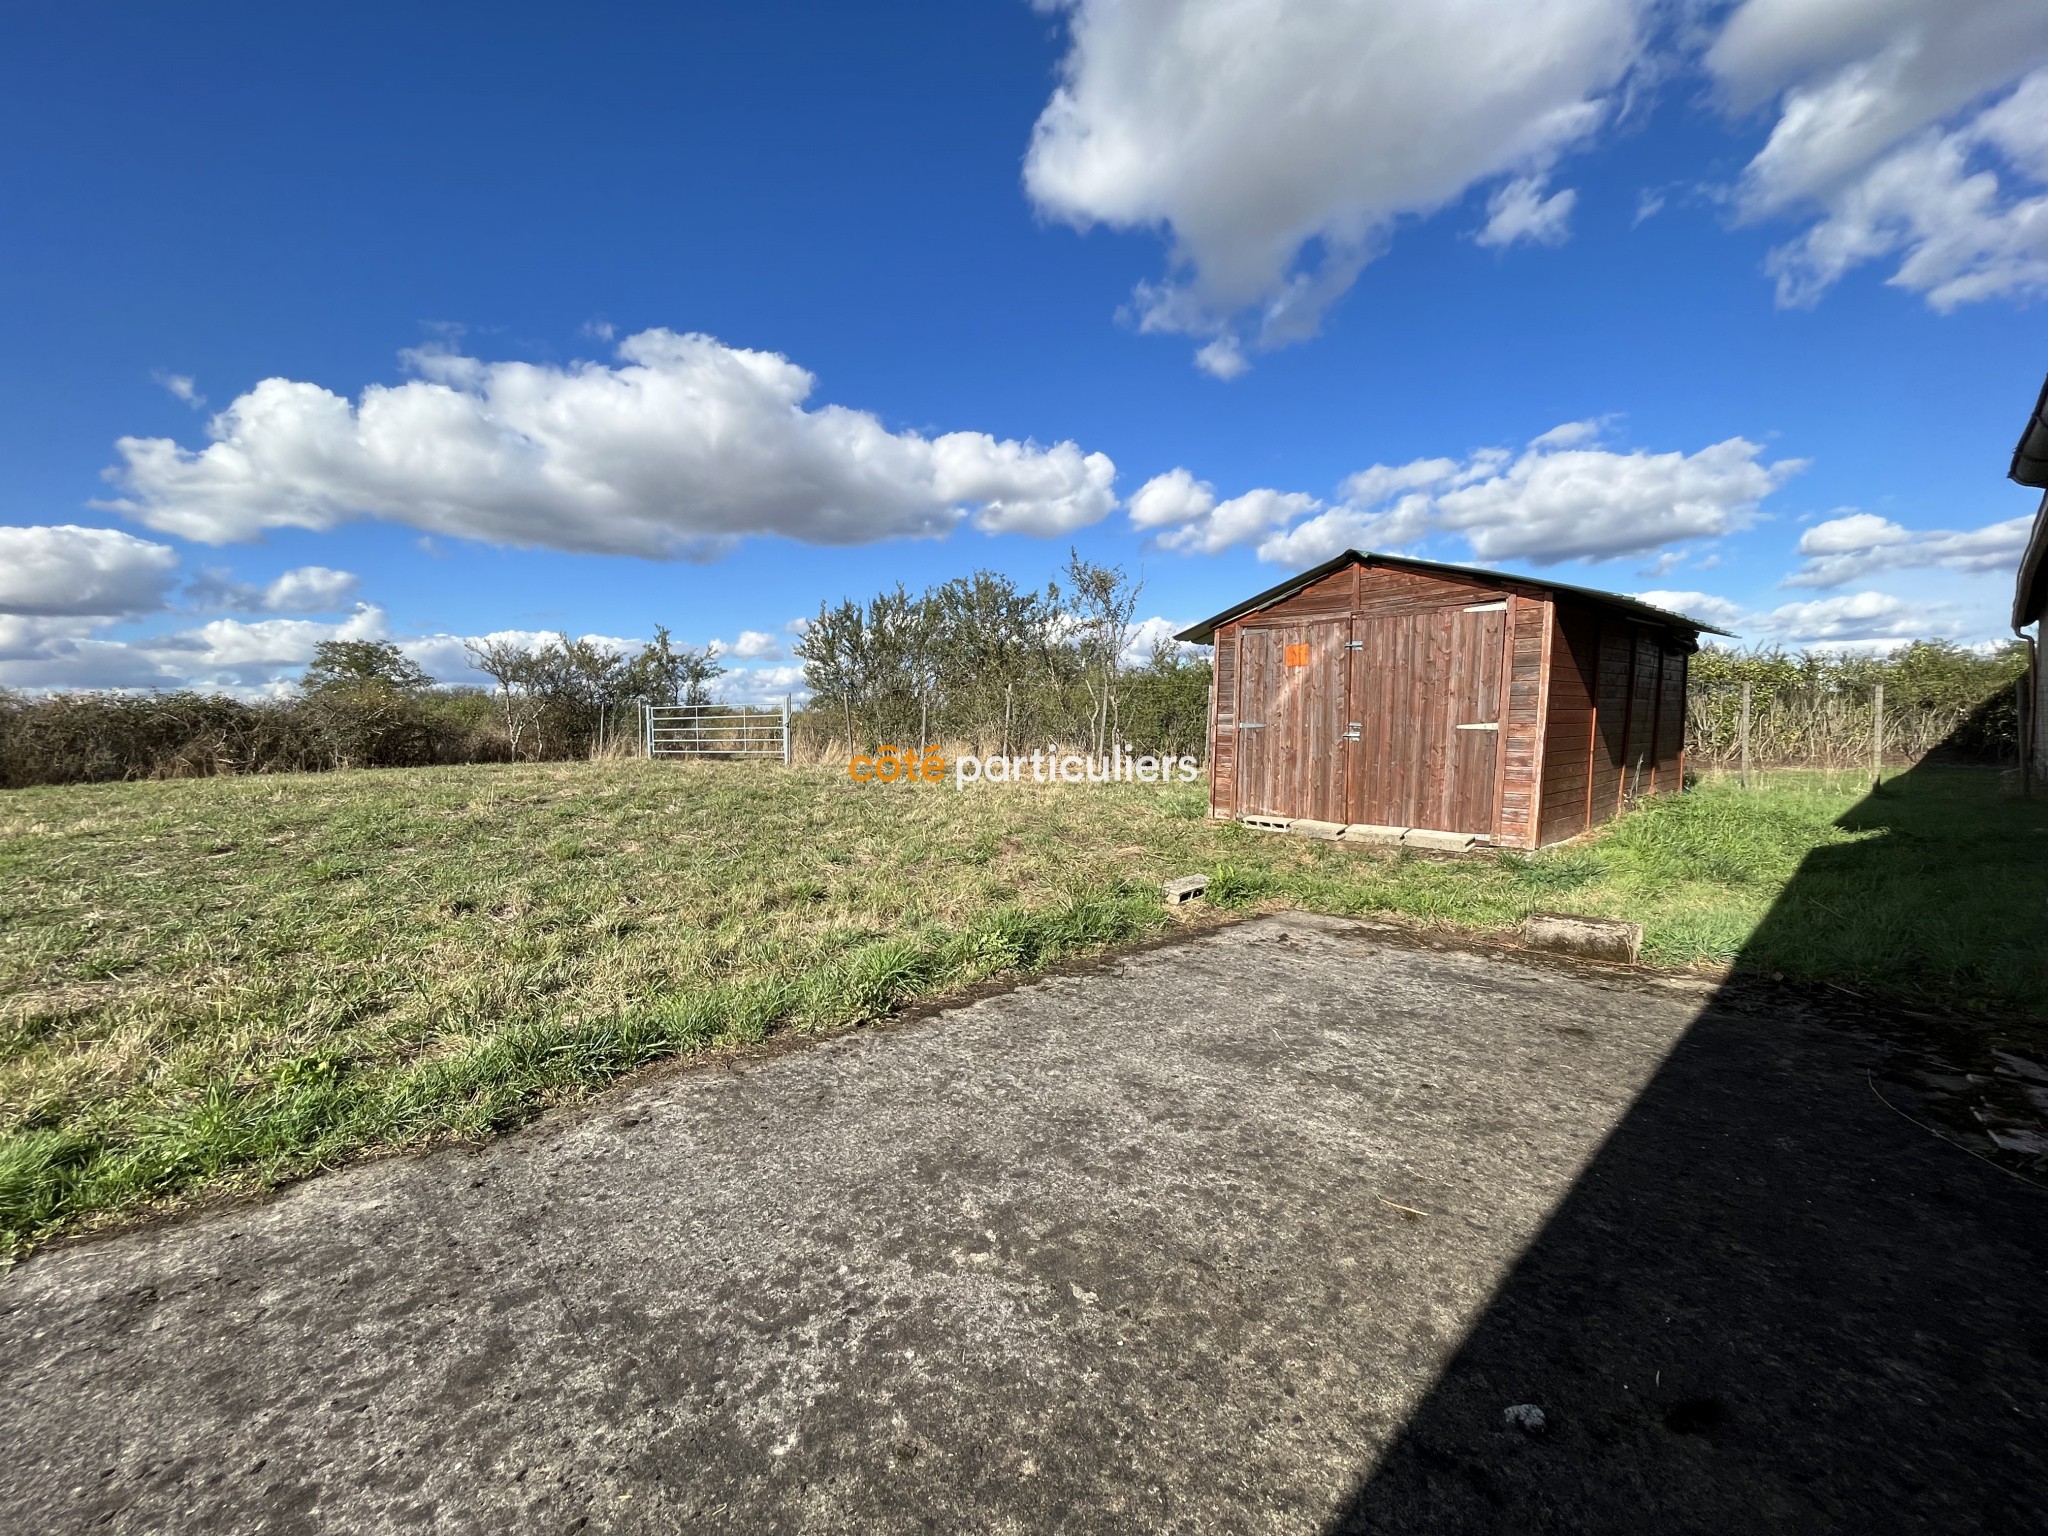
<point x="216" y="985"/>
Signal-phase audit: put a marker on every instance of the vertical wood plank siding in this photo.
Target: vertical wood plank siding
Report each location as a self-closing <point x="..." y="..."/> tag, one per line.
<point x="1223" y="730"/>
<point x="1522" y="727"/>
<point x="1670" y="776"/>
<point x="1455" y="703"/>
<point x="1569" y="727"/>
<point x="1610" y="697"/>
<point x="1642" y="715"/>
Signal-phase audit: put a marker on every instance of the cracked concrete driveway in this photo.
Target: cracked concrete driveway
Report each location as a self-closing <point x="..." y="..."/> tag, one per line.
<point x="1256" y="1231"/>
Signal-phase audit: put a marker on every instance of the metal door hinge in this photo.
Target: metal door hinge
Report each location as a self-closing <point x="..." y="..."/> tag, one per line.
<point x="1482" y="725"/>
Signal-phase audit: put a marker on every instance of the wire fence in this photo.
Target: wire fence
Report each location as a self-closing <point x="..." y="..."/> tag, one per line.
<point x="1744" y="728"/>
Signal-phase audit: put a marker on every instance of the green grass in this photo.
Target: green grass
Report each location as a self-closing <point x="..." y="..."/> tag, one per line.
<point x="216" y="985"/>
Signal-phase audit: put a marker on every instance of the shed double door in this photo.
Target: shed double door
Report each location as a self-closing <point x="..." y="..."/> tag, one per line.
<point x="1425" y="693"/>
<point x="1387" y="719"/>
<point x="1291" y="685"/>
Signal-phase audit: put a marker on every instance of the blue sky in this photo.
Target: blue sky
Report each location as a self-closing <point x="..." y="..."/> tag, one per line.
<point x="1279" y="277"/>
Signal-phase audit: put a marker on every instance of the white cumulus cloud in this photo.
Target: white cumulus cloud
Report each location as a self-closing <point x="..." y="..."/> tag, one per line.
<point x="306" y="589"/>
<point x="1892" y="134"/>
<point x="761" y="686"/>
<point x="752" y="645"/>
<point x="1594" y="504"/>
<point x="1150" y="636"/>
<point x="1859" y="618"/>
<point x="1845" y="549"/>
<point x="65" y="569"/>
<point x="1184" y="515"/>
<point x="1560" y="499"/>
<point x="227" y="654"/>
<point x="1521" y="211"/>
<point x="1276" y="144"/>
<point x="681" y="447"/>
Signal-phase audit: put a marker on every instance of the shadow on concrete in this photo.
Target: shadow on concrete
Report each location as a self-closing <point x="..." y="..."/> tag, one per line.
<point x="1772" y="1302"/>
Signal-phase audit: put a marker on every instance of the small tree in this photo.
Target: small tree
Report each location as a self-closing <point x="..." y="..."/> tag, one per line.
<point x="834" y="651"/>
<point x="1101" y="601"/>
<point x="348" y="663"/>
<point x="511" y="666"/>
<point x="666" y="673"/>
<point x="362" y="700"/>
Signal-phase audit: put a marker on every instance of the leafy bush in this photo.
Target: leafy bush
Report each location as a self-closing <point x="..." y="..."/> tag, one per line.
<point x="1815" y="708"/>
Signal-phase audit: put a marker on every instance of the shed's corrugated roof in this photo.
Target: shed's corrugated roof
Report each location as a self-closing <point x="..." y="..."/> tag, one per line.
<point x="1202" y="633"/>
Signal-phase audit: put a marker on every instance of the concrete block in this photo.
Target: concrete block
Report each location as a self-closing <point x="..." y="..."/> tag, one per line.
<point x="1185" y="889"/>
<point x="1267" y="823"/>
<point x="1439" y="842"/>
<point x="1595" y="938"/>
<point x="1329" y="831"/>
<point x="1365" y="832"/>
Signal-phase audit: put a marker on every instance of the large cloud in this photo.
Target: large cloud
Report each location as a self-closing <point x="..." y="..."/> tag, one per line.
<point x="307" y="589"/>
<point x="1276" y="144"/>
<point x="227" y="654"/>
<point x="1848" y="548"/>
<point x="1559" y="499"/>
<point x="1883" y="130"/>
<point x="92" y="571"/>
<point x="1860" y="620"/>
<point x="1183" y="514"/>
<point x="681" y="448"/>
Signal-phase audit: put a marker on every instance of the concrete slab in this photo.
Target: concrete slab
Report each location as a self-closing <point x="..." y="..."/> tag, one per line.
<point x="1439" y="842"/>
<point x="1329" y="831"/>
<point x="1263" y="1231"/>
<point x="1595" y="938"/>
<point x="1366" y="832"/>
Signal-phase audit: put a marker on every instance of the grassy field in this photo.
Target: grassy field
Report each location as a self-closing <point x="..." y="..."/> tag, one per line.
<point x="218" y="984"/>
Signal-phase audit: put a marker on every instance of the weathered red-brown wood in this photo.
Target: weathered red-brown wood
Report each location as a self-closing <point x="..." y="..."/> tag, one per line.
<point x="1417" y="677"/>
<point x="1569" y="725"/>
<point x="1223" y="800"/>
<point x="1671" y="723"/>
<point x="1289" y="719"/>
<point x="1361" y="719"/>
<point x="1645" y="657"/>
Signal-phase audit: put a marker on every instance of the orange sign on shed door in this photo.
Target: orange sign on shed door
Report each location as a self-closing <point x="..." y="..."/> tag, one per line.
<point x="1297" y="655"/>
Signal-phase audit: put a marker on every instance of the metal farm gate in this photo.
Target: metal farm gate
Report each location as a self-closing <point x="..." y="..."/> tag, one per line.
<point x="717" y="730"/>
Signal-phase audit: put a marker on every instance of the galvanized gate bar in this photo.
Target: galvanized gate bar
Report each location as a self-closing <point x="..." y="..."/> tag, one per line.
<point x="717" y="730"/>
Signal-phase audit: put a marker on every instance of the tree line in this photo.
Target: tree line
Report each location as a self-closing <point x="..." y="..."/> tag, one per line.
<point x="360" y="704"/>
<point x="985" y="663"/>
<point x="977" y="662"/>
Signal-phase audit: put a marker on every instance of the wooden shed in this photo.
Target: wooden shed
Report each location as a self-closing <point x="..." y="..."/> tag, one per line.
<point x="1390" y="692"/>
